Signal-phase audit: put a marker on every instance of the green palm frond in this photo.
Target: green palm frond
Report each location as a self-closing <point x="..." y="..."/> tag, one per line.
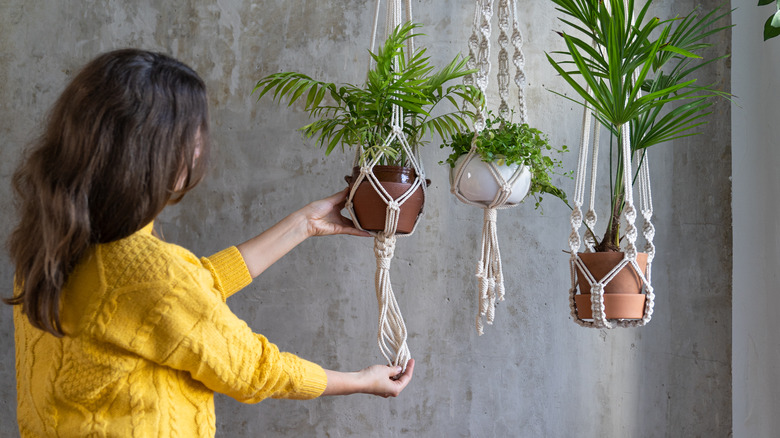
<point x="639" y="71"/>
<point x="349" y="115"/>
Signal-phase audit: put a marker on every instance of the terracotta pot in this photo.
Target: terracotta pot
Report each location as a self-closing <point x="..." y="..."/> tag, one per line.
<point x="616" y="306"/>
<point x="371" y="209"/>
<point x="599" y="264"/>
<point x="622" y="295"/>
<point x="477" y="184"/>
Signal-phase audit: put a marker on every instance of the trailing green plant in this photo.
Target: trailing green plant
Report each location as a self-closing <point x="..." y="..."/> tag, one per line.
<point x="509" y="143"/>
<point x="647" y="54"/>
<point x="772" y="24"/>
<point x="349" y="115"/>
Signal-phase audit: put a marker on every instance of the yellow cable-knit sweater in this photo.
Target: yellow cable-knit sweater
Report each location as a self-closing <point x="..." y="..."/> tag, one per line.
<point x="149" y="339"/>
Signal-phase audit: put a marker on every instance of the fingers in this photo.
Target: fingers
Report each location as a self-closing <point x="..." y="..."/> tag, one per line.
<point x="351" y="230"/>
<point x="398" y="381"/>
<point x="404" y="378"/>
<point x="347" y="226"/>
<point x="338" y="199"/>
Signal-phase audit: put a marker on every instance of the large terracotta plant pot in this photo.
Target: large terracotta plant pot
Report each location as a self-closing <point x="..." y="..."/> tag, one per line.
<point x="623" y="297"/>
<point x="477" y="184"/>
<point x="370" y="208"/>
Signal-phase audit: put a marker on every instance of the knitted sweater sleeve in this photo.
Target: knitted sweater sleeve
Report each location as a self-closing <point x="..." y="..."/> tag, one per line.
<point x="229" y="271"/>
<point x="183" y="322"/>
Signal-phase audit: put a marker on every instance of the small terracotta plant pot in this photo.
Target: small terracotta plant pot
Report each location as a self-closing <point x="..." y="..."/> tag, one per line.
<point x="371" y="209"/>
<point x="477" y="184"/>
<point x="623" y="297"/>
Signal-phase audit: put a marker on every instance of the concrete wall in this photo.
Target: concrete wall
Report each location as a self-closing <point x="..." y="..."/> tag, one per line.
<point x="534" y="373"/>
<point x="756" y="350"/>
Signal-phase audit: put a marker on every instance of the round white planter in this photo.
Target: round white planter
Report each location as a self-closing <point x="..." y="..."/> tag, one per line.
<point x="479" y="185"/>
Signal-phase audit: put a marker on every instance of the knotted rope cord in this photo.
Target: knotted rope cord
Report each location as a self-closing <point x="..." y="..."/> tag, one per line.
<point x="489" y="270"/>
<point x="629" y="213"/>
<point x="392" y="334"/>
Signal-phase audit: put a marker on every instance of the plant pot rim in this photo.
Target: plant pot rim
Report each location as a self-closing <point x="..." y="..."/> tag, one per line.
<point x="479" y="158"/>
<point x="409" y="174"/>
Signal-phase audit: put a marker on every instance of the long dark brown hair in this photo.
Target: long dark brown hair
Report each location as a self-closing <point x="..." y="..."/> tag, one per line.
<point x="128" y="136"/>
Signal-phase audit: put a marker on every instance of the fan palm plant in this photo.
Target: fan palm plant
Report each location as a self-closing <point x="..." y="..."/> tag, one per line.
<point x="637" y="74"/>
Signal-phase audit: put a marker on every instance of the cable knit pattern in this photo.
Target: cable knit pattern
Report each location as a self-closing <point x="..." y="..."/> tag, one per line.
<point x="149" y="339"/>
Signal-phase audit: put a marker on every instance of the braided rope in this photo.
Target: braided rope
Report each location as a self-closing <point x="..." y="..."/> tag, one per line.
<point x="392" y="334"/>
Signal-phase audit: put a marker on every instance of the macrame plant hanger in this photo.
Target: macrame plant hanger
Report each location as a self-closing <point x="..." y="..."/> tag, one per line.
<point x="489" y="270"/>
<point x="392" y="333"/>
<point x="629" y="261"/>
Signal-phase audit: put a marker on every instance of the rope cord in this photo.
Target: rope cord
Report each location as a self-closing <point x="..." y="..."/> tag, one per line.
<point x="489" y="270"/>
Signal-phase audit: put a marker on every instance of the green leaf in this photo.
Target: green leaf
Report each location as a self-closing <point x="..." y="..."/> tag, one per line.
<point x="765" y="2"/>
<point x="677" y="50"/>
<point x="769" y="30"/>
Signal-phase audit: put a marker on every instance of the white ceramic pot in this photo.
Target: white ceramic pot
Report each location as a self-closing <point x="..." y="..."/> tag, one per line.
<point x="479" y="185"/>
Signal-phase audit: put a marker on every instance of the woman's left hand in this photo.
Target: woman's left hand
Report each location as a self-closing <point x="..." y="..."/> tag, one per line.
<point x="324" y="217"/>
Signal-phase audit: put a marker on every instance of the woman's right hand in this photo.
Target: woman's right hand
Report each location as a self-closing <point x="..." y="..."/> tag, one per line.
<point x="324" y="217"/>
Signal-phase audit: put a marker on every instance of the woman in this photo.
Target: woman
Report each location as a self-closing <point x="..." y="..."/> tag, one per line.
<point x="117" y="332"/>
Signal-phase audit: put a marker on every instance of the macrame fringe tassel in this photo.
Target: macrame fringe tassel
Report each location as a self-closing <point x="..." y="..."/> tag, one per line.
<point x="392" y="330"/>
<point x="489" y="272"/>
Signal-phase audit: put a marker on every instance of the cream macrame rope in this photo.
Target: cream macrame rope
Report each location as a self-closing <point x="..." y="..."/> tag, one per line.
<point x="392" y="335"/>
<point x="629" y="214"/>
<point x="489" y="270"/>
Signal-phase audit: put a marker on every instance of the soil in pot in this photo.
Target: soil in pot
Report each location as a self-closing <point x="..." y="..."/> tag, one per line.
<point x="371" y="209"/>
<point x="622" y="295"/>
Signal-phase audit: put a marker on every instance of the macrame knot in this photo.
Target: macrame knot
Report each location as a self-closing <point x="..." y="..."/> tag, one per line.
<point x="384" y="247"/>
<point x="630" y="213"/>
<point x="397" y="130"/>
<point x="590" y="217"/>
<point x="393" y="206"/>
<point x="631" y="252"/>
<point x="648" y="230"/>
<point x="500" y="291"/>
<point x="517" y="39"/>
<point x="365" y="169"/>
<point x="506" y="190"/>
<point x="574" y="242"/>
<point x="490" y="215"/>
<point x="473" y="43"/>
<point x="649" y="293"/>
<point x="631" y="232"/>
<point x="576" y="216"/>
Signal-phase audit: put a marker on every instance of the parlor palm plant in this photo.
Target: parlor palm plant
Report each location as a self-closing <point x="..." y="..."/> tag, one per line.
<point x="349" y="115"/>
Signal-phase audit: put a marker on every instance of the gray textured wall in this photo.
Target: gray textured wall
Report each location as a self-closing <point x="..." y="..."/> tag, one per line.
<point x="534" y="373"/>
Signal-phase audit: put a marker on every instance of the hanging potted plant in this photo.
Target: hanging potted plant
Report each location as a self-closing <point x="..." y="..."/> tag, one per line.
<point x="508" y="146"/>
<point x="637" y="76"/>
<point x="400" y="91"/>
